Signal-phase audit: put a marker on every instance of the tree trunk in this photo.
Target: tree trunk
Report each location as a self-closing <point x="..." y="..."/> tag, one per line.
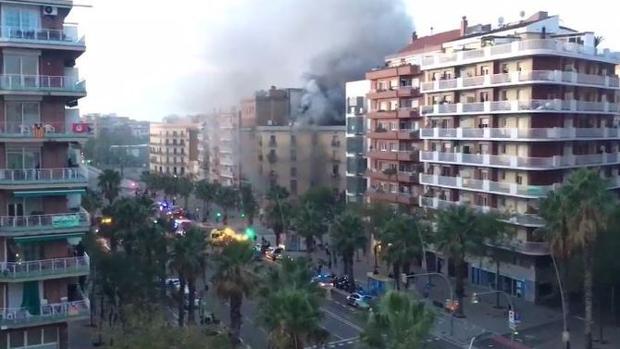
<point x="235" y="318"/>
<point x="459" y="266"/>
<point x="396" y="272"/>
<point x="204" y="209"/>
<point x="587" y="295"/>
<point x="186" y="202"/>
<point x="309" y="244"/>
<point x="191" y="285"/>
<point x="181" y="302"/>
<point x="497" y="305"/>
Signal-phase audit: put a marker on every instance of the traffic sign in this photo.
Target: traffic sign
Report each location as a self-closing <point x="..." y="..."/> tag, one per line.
<point x="514" y="319"/>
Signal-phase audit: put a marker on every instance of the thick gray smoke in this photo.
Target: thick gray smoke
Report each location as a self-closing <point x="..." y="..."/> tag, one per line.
<point x="315" y="44"/>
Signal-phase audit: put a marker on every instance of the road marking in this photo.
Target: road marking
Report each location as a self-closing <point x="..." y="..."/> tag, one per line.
<point x="334" y="344"/>
<point x="343" y="320"/>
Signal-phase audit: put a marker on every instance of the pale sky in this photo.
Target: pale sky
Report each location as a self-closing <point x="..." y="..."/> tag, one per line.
<point x="149" y="58"/>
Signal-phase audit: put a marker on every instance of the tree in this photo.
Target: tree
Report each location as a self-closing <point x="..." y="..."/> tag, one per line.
<point x="279" y="211"/>
<point x="227" y="198"/>
<point x="587" y="207"/>
<point x="347" y="236"/>
<point x="289" y="306"/>
<point x="460" y="232"/>
<point x="109" y="184"/>
<point x="400" y="243"/>
<point x="206" y="192"/>
<point x="185" y="187"/>
<point x="233" y="281"/>
<point x="248" y="203"/>
<point x="91" y="201"/>
<point x="308" y="223"/>
<point x="399" y="322"/>
<point x="188" y="260"/>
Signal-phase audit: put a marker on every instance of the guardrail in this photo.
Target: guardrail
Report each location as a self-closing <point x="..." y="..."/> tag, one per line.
<point x="43" y="175"/>
<point x="44" y="267"/>
<point x="46" y="313"/>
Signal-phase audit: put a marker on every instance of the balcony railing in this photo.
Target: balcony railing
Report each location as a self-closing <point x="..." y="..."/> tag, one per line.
<point x="42" y="83"/>
<point x="66" y="36"/>
<point x="43" y="175"/>
<point x="533" y="191"/>
<point x="524" y="219"/>
<point x="45" y="130"/>
<point x="16" y="317"/>
<point x="523" y="77"/>
<point x="534" y="134"/>
<point x="519" y="48"/>
<point x="534" y="248"/>
<point x="514" y="161"/>
<point x="67" y="220"/>
<point x="522" y="106"/>
<point x="17" y="271"/>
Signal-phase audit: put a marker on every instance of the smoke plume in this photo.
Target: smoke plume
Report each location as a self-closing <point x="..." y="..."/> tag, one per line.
<point x="314" y="44"/>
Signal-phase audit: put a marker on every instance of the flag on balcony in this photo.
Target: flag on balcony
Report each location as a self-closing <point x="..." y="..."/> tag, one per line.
<point x="81" y="127"/>
<point x="38" y="131"/>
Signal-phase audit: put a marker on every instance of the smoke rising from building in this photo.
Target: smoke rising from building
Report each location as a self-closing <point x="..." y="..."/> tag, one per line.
<point x="315" y="44"/>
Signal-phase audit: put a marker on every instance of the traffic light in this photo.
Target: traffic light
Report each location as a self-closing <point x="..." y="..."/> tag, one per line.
<point x="250" y="233"/>
<point x="242" y="215"/>
<point x="218" y="216"/>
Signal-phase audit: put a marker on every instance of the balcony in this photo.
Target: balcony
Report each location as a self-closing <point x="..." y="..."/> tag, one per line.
<point x="32" y="132"/>
<point x="487" y="186"/>
<point x="388" y="72"/>
<point x="44" y="269"/>
<point x="520" y="134"/>
<point x="523" y="219"/>
<point x="522" y="78"/>
<point x="385" y="174"/>
<point x="383" y="114"/>
<point x="11" y="178"/>
<point x="408" y="112"/>
<point x="532" y="248"/>
<point x="392" y="92"/>
<point x="47" y="223"/>
<point x="408" y="177"/>
<point x="383" y="154"/>
<point x="394" y="197"/>
<point x="48" y="313"/>
<point x="409" y="134"/>
<point x="380" y="133"/>
<point x="522" y="106"/>
<point x="409" y="155"/>
<point x="68" y="37"/>
<point x="42" y="84"/>
<point x="518" y="49"/>
<point x="522" y="162"/>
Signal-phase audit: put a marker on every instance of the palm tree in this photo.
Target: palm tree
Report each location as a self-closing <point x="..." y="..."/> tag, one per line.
<point x="400" y="243"/>
<point x="248" y="203"/>
<point x="185" y="187"/>
<point x="226" y="198"/>
<point x="188" y="260"/>
<point x="233" y="281"/>
<point x="579" y="211"/>
<point x="308" y="222"/>
<point x="289" y="306"/>
<point x="278" y="211"/>
<point x="460" y="232"/>
<point x="399" y="322"/>
<point x="206" y="191"/>
<point x="91" y="201"/>
<point x="109" y="184"/>
<point x="347" y="236"/>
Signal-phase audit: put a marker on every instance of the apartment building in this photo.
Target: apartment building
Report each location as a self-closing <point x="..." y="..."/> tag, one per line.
<point x="356" y="108"/>
<point x="300" y="157"/>
<point x="274" y="107"/>
<point x="174" y="149"/>
<point x="43" y="265"/>
<point x="394" y="120"/>
<point x="509" y="112"/>
<point x="220" y="141"/>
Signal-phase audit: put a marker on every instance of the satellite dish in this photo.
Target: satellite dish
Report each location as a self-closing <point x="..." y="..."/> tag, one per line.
<point x="500" y="21"/>
<point x="522" y="14"/>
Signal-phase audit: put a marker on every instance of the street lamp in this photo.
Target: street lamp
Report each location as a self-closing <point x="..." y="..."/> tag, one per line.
<point x="375" y="250"/>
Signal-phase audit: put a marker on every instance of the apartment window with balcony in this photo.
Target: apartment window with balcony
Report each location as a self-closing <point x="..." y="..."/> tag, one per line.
<point x="23" y="157"/>
<point x="174" y="170"/>
<point x="502" y="174"/>
<point x="182" y="171"/>
<point x="20" y="116"/>
<point x="484" y="70"/>
<point x="174" y="133"/>
<point x="22" y="17"/>
<point x="293" y="140"/>
<point x="293" y="171"/>
<point x="502" y="148"/>
<point x="503" y="95"/>
<point x="505" y="68"/>
<point x="484" y="96"/>
<point x="519" y="66"/>
<point x="175" y="150"/>
<point x="293" y="155"/>
<point x="519" y="179"/>
<point x="293" y="185"/>
<point x="22" y="69"/>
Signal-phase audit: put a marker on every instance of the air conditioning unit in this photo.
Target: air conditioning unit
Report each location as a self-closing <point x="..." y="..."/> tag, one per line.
<point x="50" y="10"/>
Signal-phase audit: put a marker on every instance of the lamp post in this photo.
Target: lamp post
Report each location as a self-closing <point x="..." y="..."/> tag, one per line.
<point x="565" y="330"/>
<point x="375" y="251"/>
<point x="450" y="290"/>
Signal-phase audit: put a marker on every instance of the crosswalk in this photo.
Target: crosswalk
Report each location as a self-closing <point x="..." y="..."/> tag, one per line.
<point x="347" y="342"/>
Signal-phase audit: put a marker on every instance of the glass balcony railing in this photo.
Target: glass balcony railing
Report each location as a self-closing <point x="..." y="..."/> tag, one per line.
<point x="47" y="313"/>
<point x="555" y="133"/>
<point x="58" y="221"/>
<point x="45" y="268"/>
<point x="66" y="36"/>
<point x="43" y="175"/>
<point x="45" y="129"/>
<point x="42" y="83"/>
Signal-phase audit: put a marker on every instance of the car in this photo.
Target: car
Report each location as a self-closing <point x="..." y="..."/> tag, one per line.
<point x="345" y="283"/>
<point x="324" y="280"/>
<point x="359" y="300"/>
<point x="274" y="253"/>
<point x="173" y="283"/>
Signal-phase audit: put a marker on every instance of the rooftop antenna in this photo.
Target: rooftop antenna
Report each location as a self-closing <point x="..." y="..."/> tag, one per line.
<point x="522" y="14"/>
<point x="431" y="30"/>
<point x="500" y="22"/>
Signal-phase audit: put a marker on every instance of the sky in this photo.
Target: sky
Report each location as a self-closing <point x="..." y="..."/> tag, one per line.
<point x="150" y="58"/>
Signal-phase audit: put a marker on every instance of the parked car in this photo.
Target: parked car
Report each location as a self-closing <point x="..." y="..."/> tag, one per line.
<point x="359" y="300"/>
<point x="173" y="283"/>
<point x="274" y="253"/>
<point x="345" y="283"/>
<point x="324" y="280"/>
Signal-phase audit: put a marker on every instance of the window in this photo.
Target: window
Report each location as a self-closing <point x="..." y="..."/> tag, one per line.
<point x="502" y="174"/>
<point x="23" y="157"/>
<point x="50" y="335"/>
<point x="335" y="170"/>
<point x="20" y="116"/>
<point x="503" y="95"/>
<point x="21" y="70"/>
<point x="293" y="139"/>
<point x="293" y="171"/>
<point x="484" y="96"/>
<point x="34" y="336"/>
<point x="519" y="179"/>
<point x="518" y="66"/>
<point x="174" y="170"/>
<point x="22" y="17"/>
<point x="293" y="185"/>
<point x="502" y="148"/>
<point x="293" y="155"/>
<point x="504" y="68"/>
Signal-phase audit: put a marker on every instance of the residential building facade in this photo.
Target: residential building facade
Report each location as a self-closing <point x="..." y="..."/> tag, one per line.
<point x="174" y="149"/>
<point x="356" y="109"/>
<point x="274" y="107"/>
<point x="43" y="266"/>
<point x="509" y="113"/>
<point x="221" y="141"/>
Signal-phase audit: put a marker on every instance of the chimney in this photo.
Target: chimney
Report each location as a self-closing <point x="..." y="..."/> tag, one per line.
<point x="463" y="25"/>
<point x="414" y="36"/>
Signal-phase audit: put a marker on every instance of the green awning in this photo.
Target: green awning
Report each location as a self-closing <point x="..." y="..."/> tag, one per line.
<point x="47" y="237"/>
<point x="39" y="193"/>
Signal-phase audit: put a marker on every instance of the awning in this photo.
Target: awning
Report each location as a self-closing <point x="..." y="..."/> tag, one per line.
<point x="39" y="193"/>
<point x="73" y="238"/>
